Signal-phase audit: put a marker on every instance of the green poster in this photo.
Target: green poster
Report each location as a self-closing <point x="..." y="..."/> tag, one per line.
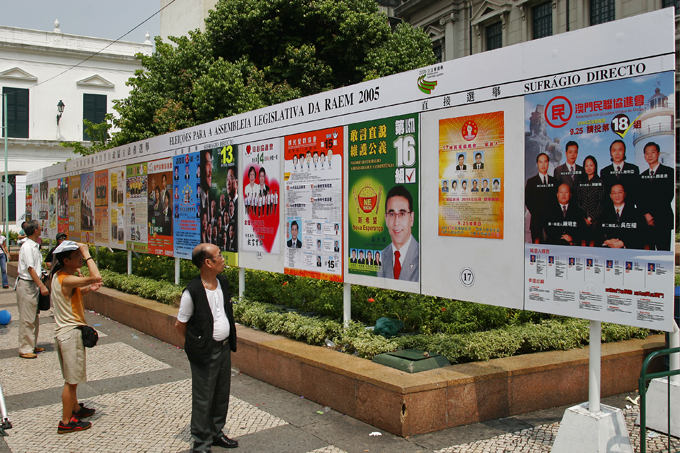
<point x="383" y="198"/>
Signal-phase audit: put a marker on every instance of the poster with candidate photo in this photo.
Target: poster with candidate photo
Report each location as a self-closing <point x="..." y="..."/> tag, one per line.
<point x="599" y="200"/>
<point x="186" y="190"/>
<point x="137" y="191"/>
<point x="52" y="210"/>
<point x="471" y="176"/>
<point x="160" y="203"/>
<point x="62" y="205"/>
<point x="101" y="208"/>
<point x="217" y="194"/>
<point x="261" y="196"/>
<point x="313" y="177"/>
<point x="383" y="198"/>
<point x="74" y="208"/>
<point x="117" y="181"/>
<point x="87" y="208"/>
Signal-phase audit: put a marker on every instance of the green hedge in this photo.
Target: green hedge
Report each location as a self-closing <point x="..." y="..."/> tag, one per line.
<point x="551" y="334"/>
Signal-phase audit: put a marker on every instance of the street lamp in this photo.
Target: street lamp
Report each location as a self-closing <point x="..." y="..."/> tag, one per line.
<point x="60" y="110"/>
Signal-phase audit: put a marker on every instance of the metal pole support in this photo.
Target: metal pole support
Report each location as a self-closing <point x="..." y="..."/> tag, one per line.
<point x="594" y="373"/>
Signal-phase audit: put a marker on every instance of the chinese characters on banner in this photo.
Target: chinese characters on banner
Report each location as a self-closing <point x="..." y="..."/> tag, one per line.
<point x="160" y="207"/>
<point x="74" y="208"/>
<point x="261" y="196"/>
<point x="101" y="208"/>
<point x="186" y="203"/>
<point x="313" y="176"/>
<point x="62" y="205"/>
<point x="137" y="228"/>
<point x="383" y="198"/>
<point x="471" y="162"/>
<point x="87" y="208"/>
<point x="117" y="207"/>
<point x="599" y="191"/>
<point x="217" y="190"/>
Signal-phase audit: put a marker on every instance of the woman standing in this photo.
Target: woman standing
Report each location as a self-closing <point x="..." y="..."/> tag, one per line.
<point x="590" y="193"/>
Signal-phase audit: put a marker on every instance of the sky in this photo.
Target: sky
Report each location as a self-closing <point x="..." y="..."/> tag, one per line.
<point x="96" y="18"/>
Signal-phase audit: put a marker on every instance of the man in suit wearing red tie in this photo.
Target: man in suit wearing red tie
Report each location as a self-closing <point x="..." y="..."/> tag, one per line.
<point x="621" y="172"/>
<point x="569" y="173"/>
<point x="401" y="258"/>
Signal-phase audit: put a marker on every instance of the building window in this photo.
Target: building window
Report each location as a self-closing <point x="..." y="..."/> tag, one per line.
<point x="667" y="3"/>
<point x="94" y="110"/>
<point x="542" y="20"/>
<point x="601" y="11"/>
<point x="438" y="53"/>
<point x="17" y="112"/>
<point x="494" y="36"/>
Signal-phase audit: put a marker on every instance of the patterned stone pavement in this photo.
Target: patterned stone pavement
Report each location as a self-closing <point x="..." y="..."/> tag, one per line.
<point x="141" y="389"/>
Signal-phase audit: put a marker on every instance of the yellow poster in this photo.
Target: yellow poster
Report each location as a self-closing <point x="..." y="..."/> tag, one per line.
<point x="471" y="178"/>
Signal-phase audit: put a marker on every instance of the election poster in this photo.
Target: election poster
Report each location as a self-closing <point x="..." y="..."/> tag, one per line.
<point x="87" y="208"/>
<point x="52" y="210"/>
<point x="137" y="228"/>
<point x="40" y="195"/>
<point x="160" y="202"/>
<point x="101" y="208"/>
<point x="29" y="202"/>
<point x="74" y="208"/>
<point x="599" y="199"/>
<point x="117" y="208"/>
<point x="261" y="196"/>
<point x="471" y="166"/>
<point x="62" y="205"/>
<point x="314" y="205"/>
<point x="217" y="191"/>
<point x="186" y="204"/>
<point x="383" y="198"/>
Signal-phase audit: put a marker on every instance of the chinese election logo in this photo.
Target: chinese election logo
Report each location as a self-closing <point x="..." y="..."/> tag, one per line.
<point x="368" y="199"/>
<point x="558" y="111"/>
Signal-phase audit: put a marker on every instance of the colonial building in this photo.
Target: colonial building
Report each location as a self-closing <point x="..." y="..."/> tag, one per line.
<point x="44" y="71"/>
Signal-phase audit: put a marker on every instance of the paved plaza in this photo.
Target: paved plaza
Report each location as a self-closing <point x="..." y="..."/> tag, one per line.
<point x="141" y="389"/>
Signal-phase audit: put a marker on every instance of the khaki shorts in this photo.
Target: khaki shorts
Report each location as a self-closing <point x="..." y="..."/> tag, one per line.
<point x="71" y="353"/>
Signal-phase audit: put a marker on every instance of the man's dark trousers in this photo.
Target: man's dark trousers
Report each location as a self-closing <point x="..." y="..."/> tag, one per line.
<point x="210" y="386"/>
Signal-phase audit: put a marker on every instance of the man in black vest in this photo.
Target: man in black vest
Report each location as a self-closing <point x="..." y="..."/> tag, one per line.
<point x="206" y="321"/>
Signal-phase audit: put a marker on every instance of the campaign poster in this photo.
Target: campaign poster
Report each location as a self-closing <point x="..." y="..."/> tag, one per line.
<point x="74" y="208"/>
<point x="136" y="189"/>
<point x="383" y="198"/>
<point x="160" y="207"/>
<point x="217" y="193"/>
<point x="29" y="202"/>
<point x="599" y="200"/>
<point x="261" y="196"/>
<point x="42" y="205"/>
<point x="52" y="210"/>
<point x="62" y="206"/>
<point x="101" y="208"/>
<point x="471" y="163"/>
<point x="186" y="203"/>
<point x="314" y="205"/>
<point x="87" y="208"/>
<point x="117" y="208"/>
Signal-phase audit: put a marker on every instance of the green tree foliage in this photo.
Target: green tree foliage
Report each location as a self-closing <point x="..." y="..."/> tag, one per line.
<point x="256" y="53"/>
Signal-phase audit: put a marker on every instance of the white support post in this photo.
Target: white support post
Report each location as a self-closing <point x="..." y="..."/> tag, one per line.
<point x="593" y="427"/>
<point x="660" y="390"/>
<point x="674" y="342"/>
<point x="241" y="281"/>
<point x="594" y="373"/>
<point x="129" y="262"/>
<point x="346" y="303"/>
<point x="176" y="271"/>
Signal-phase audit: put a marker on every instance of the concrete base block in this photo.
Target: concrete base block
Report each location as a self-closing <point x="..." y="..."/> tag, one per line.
<point x="585" y="432"/>
<point x="657" y="406"/>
